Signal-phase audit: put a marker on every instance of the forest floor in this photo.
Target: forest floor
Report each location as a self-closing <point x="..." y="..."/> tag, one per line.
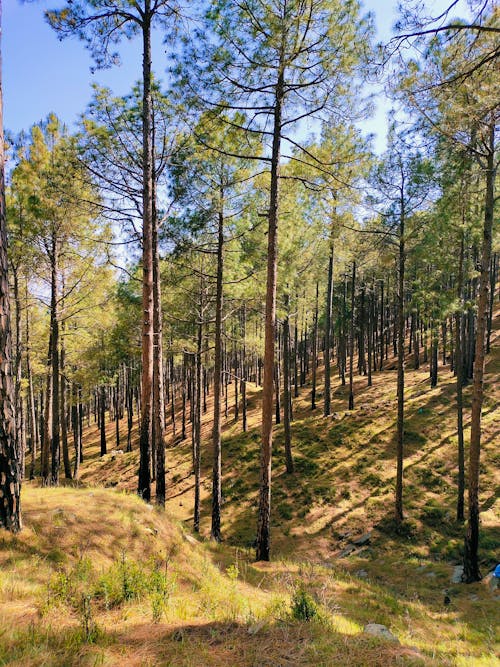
<point x="97" y="577"/>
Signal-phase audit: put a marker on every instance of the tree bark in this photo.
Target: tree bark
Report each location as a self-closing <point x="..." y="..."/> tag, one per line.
<point x="351" y="338"/>
<point x="315" y="351"/>
<point x="471" y="561"/>
<point x="328" y="329"/>
<point x="263" y="548"/>
<point x="215" y="532"/>
<point x="102" y="419"/>
<point x="54" y="338"/>
<point x="287" y="398"/>
<point x="459" y="375"/>
<point x="401" y="367"/>
<point x="146" y="433"/>
<point x="10" y="485"/>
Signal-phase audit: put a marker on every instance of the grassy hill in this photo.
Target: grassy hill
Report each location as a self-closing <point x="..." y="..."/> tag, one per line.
<point x="99" y="578"/>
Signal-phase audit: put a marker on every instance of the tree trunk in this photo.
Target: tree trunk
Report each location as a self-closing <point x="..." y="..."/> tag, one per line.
<point x="158" y="388"/>
<point x="10" y="485"/>
<point x="244" y="369"/>
<point x="102" y="419"/>
<point x="47" y="420"/>
<point x="328" y="330"/>
<point x="287" y="398"/>
<point x="54" y="325"/>
<point x="264" y="516"/>
<point x="459" y="374"/>
<point x="76" y="430"/>
<point x="351" y="338"/>
<point x="144" y="481"/>
<point x="64" y="418"/>
<point x="471" y="561"/>
<point x="215" y="531"/>
<point x="18" y="374"/>
<point x="315" y="351"/>
<point x="401" y="368"/>
<point x="34" y="432"/>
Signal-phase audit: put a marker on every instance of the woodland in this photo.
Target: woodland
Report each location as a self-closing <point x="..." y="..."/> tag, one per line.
<point x="248" y="365"/>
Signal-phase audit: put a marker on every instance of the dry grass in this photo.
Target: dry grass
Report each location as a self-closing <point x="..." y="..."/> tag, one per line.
<point x="223" y="608"/>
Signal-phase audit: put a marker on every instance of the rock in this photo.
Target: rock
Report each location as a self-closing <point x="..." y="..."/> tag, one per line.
<point x="431" y="575"/>
<point x="379" y="630"/>
<point x="149" y="507"/>
<point x="363" y="539"/>
<point x="116" y="452"/>
<point x="456" y="577"/>
<point x="190" y="539"/>
<point x="347" y="551"/>
<point x="474" y="598"/>
<point x="362" y="574"/>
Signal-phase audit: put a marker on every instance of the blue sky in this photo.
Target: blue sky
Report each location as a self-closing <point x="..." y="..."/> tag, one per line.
<point x="42" y="74"/>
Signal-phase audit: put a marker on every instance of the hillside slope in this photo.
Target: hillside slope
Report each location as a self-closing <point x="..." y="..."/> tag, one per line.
<point x="100" y="578"/>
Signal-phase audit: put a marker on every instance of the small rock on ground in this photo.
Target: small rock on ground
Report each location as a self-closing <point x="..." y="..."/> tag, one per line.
<point x="456" y="577"/>
<point x="379" y="630"/>
<point x="347" y="551"/>
<point x="363" y="574"/>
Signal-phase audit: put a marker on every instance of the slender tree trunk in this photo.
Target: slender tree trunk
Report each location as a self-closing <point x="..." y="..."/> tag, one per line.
<point x="382" y="325"/>
<point x="184" y="382"/>
<point x="459" y="374"/>
<point x="277" y="377"/>
<point x="493" y="282"/>
<point x="315" y="351"/>
<point x="173" y="401"/>
<point x="64" y="418"/>
<point x="244" y="368"/>
<point x="361" y="334"/>
<point x="401" y="368"/>
<point x="129" y="397"/>
<point x="18" y="401"/>
<point x="55" y="436"/>
<point x="47" y="420"/>
<point x="471" y="560"/>
<point x="158" y="387"/>
<point x="80" y="421"/>
<point x="328" y="330"/>
<point x="343" y="354"/>
<point x="117" y="410"/>
<point x="286" y="389"/>
<point x="10" y="484"/>
<point x="351" y="338"/>
<point x="215" y="532"/>
<point x="369" y="332"/>
<point x="34" y="432"/>
<point x="196" y="397"/>
<point x="102" y="419"/>
<point x="263" y="549"/>
<point x="146" y="433"/>
<point x="76" y="431"/>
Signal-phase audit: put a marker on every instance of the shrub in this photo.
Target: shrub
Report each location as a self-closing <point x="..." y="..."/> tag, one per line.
<point x="304" y="608"/>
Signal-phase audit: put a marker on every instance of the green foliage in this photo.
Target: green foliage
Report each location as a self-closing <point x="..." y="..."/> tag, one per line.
<point x="304" y="608"/>
<point x="127" y="580"/>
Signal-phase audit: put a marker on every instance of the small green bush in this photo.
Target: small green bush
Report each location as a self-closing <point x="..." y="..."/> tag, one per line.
<point x="285" y="511"/>
<point x="304" y="608"/>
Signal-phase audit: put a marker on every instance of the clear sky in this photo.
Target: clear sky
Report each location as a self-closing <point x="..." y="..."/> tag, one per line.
<point x="42" y="74"/>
